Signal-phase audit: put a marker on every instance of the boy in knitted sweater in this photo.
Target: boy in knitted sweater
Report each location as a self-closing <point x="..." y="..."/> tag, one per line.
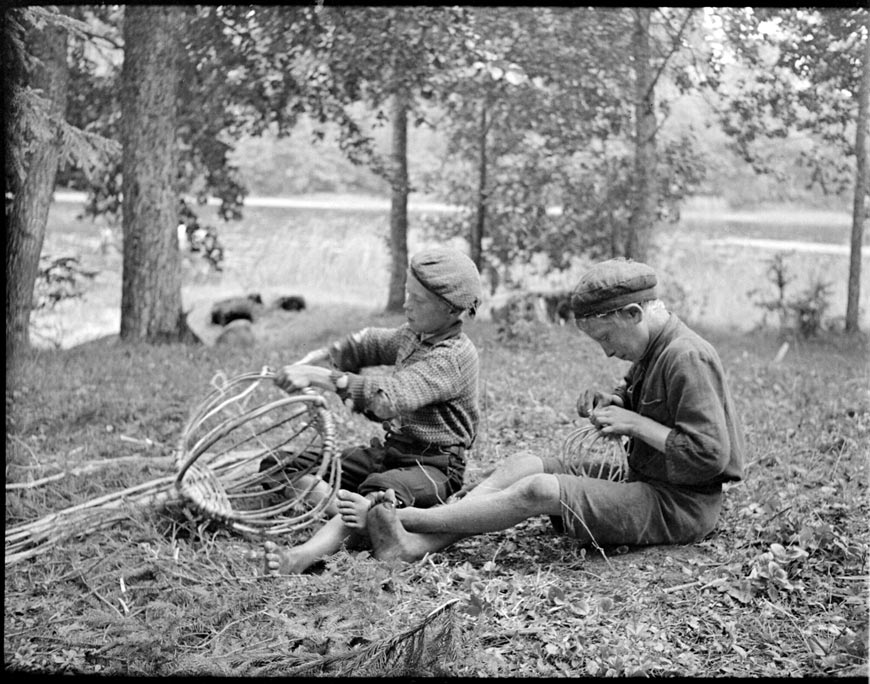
<point x="428" y="404"/>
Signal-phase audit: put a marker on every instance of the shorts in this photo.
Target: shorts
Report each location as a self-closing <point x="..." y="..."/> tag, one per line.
<point x="421" y="475"/>
<point x="632" y="512"/>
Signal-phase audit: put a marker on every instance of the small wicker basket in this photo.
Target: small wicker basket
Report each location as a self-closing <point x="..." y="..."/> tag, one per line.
<point x="596" y="454"/>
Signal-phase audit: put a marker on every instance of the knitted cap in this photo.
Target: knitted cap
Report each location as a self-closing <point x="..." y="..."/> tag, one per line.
<point x="450" y="275"/>
<point x="612" y="284"/>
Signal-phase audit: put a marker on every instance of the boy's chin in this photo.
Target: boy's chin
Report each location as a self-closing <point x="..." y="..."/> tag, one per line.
<point x="419" y="330"/>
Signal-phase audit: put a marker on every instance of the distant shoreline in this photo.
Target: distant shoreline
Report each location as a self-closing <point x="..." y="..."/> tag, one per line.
<point x="699" y="210"/>
<point x="703" y="211"/>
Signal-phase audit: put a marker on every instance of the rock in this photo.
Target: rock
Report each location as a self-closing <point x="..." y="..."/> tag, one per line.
<point x="291" y="303"/>
<point x="235" y="308"/>
<point x="237" y="333"/>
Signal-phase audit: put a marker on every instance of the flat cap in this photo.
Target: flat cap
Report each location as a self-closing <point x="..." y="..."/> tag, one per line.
<point x="612" y="284"/>
<point x="449" y="274"/>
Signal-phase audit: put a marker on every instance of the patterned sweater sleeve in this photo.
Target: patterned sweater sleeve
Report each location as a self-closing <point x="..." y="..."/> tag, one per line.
<point x="433" y="380"/>
<point x="368" y="347"/>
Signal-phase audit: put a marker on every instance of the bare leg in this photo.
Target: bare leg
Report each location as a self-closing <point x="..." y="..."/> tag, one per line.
<point x="388" y="528"/>
<point x="513" y="469"/>
<point x="294" y="560"/>
<point x="533" y="495"/>
<point x="390" y="541"/>
<point x="410" y="533"/>
<point x="320" y="491"/>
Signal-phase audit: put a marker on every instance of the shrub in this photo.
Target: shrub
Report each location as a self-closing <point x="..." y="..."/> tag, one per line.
<point x="802" y="315"/>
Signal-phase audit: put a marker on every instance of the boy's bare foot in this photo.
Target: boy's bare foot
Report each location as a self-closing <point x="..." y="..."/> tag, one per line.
<point x="278" y="561"/>
<point x="390" y="541"/>
<point x="353" y="508"/>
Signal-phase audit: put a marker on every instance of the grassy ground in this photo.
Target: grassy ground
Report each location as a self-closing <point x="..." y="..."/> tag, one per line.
<point x="780" y="589"/>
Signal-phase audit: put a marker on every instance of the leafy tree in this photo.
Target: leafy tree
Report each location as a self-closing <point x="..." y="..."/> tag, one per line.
<point x="549" y="119"/>
<point x="236" y="68"/>
<point x="233" y="85"/>
<point x="807" y="71"/>
<point x="387" y="58"/>
<point x="37" y="138"/>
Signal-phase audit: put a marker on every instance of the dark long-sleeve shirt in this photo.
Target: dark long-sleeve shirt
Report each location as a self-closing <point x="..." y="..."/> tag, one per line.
<point x="433" y="388"/>
<point x="680" y="383"/>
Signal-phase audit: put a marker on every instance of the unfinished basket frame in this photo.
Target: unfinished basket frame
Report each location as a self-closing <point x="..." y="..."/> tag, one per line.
<point x="598" y="455"/>
<point x="230" y="433"/>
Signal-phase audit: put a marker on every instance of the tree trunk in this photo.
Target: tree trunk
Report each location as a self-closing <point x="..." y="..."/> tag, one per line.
<point x="644" y="197"/>
<point x="399" y="204"/>
<point x="478" y="228"/>
<point x="859" y="205"/>
<point x="151" y="282"/>
<point x="32" y="193"/>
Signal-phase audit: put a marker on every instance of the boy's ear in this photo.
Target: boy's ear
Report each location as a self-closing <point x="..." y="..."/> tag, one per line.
<point x="634" y="312"/>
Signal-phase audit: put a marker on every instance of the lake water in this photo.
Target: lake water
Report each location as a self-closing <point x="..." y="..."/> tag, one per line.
<point x="335" y="249"/>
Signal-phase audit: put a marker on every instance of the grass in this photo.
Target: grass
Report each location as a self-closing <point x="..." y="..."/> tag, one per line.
<point x="780" y="589"/>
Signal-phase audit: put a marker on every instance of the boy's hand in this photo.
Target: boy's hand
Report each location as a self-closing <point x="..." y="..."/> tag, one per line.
<point x="316" y="356"/>
<point x="614" y="420"/>
<point x="590" y="400"/>
<point x="296" y="377"/>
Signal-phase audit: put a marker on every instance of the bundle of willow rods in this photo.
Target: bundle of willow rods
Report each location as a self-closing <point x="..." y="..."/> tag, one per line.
<point x="219" y="474"/>
<point x="598" y="455"/>
<point x="33" y="538"/>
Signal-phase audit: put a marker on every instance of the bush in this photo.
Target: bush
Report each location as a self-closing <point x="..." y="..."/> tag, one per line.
<point x="802" y="315"/>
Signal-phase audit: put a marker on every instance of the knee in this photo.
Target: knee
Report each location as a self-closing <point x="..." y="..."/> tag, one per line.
<point x="519" y="461"/>
<point x="538" y="491"/>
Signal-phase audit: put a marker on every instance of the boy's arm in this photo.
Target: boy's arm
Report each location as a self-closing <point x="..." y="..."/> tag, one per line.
<point x="298" y="376"/>
<point x="438" y="378"/>
<point x="616" y="420"/>
<point x="368" y="347"/>
<point x="697" y="448"/>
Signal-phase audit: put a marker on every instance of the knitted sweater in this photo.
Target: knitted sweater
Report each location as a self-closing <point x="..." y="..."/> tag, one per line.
<point x="433" y="388"/>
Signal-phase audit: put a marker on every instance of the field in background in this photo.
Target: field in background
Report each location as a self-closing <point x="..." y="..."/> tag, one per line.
<point x="708" y="262"/>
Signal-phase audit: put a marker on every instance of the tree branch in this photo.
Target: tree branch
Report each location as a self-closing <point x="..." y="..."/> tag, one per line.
<point x="674" y="47"/>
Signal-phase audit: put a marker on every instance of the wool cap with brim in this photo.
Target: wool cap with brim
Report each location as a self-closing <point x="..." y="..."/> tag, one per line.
<point x="611" y="285"/>
<point x="449" y="274"/>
